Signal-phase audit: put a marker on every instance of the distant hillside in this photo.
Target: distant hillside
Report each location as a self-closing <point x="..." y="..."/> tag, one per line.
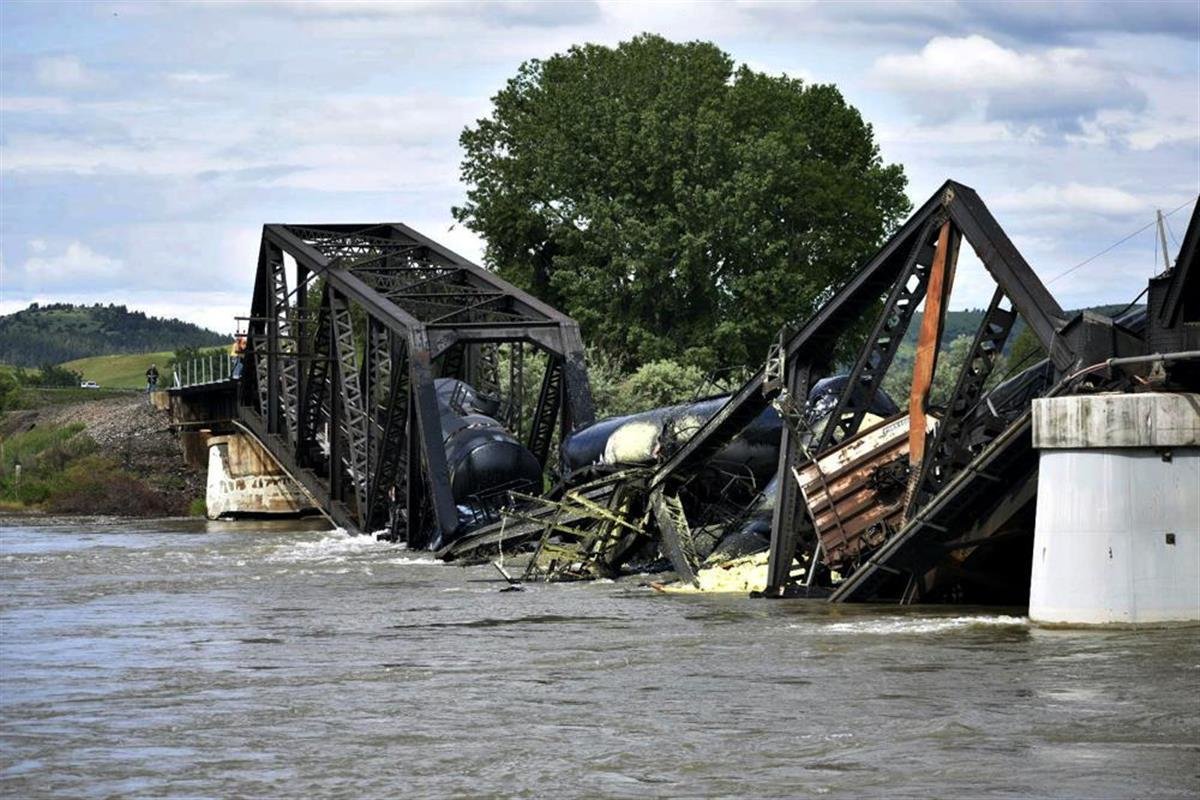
<point x="57" y="332"/>
<point x="965" y="323"/>
<point x="125" y="371"/>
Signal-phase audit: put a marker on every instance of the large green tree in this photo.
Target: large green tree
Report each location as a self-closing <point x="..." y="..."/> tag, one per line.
<point x="674" y="205"/>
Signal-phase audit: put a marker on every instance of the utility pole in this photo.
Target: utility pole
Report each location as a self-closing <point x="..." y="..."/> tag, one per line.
<point x="1162" y="237"/>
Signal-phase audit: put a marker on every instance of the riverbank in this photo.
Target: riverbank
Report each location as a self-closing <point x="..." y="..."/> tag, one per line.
<point x="111" y="455"/>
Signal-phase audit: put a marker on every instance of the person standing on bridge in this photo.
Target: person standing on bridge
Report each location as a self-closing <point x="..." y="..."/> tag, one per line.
<point x="237" y="354"/>
<point x="152" y="378"/>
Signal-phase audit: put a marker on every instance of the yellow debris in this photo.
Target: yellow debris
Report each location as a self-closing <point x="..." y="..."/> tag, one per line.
<point x="740" y="576"/>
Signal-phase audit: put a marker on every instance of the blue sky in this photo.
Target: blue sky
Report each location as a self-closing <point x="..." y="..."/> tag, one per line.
<point x="142" y="145"/>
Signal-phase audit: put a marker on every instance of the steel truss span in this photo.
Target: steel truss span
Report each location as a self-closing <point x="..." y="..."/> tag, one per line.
<point x="350" y="326"/>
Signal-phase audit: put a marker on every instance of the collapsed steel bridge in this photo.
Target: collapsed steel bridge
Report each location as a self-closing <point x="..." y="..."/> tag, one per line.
<point x="349" y="328"/>
<point x="352" y="326"/>
<point x="966" y="470"/>
<point x="968" y="477"/>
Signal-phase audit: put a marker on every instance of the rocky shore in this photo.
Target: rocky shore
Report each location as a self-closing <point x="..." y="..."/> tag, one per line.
<point x="137" y="453"/>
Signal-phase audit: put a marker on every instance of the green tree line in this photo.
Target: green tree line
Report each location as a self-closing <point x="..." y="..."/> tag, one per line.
<point x="58" y="332"/>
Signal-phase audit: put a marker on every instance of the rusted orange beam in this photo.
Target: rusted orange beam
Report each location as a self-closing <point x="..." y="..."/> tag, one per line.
<point x="941" y="277"/>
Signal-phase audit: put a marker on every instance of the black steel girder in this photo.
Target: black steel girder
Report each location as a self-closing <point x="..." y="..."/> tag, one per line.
<point x="345" y="376"/>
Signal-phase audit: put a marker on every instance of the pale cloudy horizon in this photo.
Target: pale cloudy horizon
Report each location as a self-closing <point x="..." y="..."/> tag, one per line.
<point x="143" y="145"/>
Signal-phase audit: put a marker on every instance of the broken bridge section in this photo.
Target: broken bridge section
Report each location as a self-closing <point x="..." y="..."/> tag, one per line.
<point x="350" y="326"/>
<point x="966" y="468"/>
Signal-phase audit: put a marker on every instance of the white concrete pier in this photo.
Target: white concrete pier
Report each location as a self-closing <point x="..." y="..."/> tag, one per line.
<point x="243" y="479"/>
<point x="1117" y="537"/>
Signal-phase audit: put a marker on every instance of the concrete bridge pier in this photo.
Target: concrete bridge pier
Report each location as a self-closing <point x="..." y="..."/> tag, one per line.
<point x="1117" y="538"/>
<point x="243" y="480"/>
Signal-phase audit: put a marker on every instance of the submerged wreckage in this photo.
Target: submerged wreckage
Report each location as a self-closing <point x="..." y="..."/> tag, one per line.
<point x="808" y="480"/>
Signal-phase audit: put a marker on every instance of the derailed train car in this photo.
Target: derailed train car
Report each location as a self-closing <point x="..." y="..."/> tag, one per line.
<point x="739" y="481"/>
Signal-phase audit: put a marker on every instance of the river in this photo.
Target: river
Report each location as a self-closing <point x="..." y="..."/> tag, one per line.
<point x="188" y="659"/>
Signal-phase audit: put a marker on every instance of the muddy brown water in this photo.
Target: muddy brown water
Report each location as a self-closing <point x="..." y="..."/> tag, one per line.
<point x="191" y="659"/>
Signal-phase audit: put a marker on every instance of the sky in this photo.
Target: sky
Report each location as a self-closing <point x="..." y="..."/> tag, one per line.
<point x="144" y="145"/>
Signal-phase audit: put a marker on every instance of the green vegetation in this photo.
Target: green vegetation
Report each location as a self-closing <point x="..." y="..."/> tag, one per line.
<point x="616" y="391"/>
<point x="1021" y="351"/>
<point x="676" y="207"/>
<point x="42" y="453"/>
<point x="657" y="383"/>
<point x="123" y="371"/>
<point x="9" y="388"/>
<point x="951" y="359"/>
<point x="1026" y="349"/>
<point x="60" y="470"/>
<point x="184" y="354"/>
<point x="21" y="388"/>
<point x="51" y="376"/>
<point x="58" y="332"/>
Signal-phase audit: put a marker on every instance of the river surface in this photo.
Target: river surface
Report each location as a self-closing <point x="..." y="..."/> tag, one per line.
<point x="191" y="659"/>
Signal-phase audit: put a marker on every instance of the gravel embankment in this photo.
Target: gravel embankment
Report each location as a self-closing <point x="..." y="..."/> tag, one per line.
<point x="130" y="430"/>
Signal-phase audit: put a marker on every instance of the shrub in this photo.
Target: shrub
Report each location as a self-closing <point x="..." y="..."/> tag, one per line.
<point x="8" y="390"/>
<point x="52" y="375"/>
<point x="658" y="383"/>
<point x="97" y="485"/>
<point x="605" y="378"/>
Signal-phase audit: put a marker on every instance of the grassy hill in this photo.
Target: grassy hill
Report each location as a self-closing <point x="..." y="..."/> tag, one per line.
<point x="123" y="371"/>
<point x="58" y="332"/>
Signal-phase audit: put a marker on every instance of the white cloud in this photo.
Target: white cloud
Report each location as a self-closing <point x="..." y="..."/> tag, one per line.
<point x="197" y="77"/>
<point x="1027" y="20"/>
<point x="75" y="266"/>
<point x="455" y="237"/>
<point x="957" y="132"/>
<point x="63" y="72"/>
<point x="1076" y="198"/>
<point x="951" y="77"/>
<point x="1170" y="133"/>
<point x="337" y="143"/>
<point x="1165" y="124"/>
<point x="174" y="160"/>
<point x="34" y="105"/>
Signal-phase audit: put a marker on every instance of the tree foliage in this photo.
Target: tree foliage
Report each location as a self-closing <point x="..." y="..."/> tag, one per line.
<point x="8" y="390"/>
<point x="679" y="208"/>
<point x="653" y="384"/>
<point x="1026" y="349"/>
<point x="51" y="375"/>
<point x="182" y="355"/>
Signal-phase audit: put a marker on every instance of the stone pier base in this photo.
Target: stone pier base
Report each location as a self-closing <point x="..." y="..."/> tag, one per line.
<point x="243" y="480"/>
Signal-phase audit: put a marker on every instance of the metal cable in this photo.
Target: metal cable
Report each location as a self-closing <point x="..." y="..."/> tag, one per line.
<point x="1118" y="243"/>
